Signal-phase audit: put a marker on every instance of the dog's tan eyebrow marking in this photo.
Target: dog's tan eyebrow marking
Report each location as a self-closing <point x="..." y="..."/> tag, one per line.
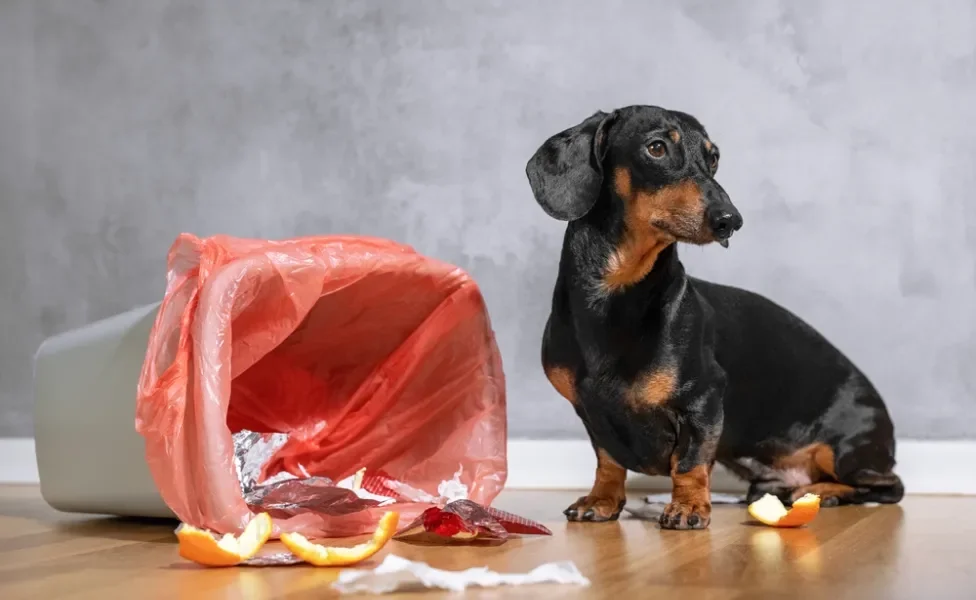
<point x="708" y="145"/>
<point x="675" y="136"/>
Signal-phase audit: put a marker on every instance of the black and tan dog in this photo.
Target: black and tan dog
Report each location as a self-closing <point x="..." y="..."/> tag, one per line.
<point x="670" y="373"/>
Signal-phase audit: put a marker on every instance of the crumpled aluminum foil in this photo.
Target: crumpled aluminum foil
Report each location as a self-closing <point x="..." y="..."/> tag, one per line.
<point x="278" y="559"/>
<point x="251" y="451"/>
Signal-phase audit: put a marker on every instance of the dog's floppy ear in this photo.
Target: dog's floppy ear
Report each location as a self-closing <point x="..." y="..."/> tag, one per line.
<point x="566" y="172"/>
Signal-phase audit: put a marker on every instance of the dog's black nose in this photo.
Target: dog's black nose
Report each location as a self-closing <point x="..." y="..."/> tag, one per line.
<point x="724" y="222"/>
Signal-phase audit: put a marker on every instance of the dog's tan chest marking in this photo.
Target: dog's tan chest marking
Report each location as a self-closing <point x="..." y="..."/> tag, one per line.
<point x="653" y="389"/>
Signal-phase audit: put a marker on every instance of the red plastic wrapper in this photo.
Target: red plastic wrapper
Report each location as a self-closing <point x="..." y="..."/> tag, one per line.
<point x="293" y="497"/>
<point x="362" y="351"/>
<point x="466" y="522"/>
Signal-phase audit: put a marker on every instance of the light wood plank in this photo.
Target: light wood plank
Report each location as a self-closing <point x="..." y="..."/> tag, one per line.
<point x="921" y="548"/>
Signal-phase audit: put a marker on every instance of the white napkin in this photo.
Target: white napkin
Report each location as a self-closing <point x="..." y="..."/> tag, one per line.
<point x="400" y="574"/>
<point x="717" y="498"/>
<point x="654" y="504"/>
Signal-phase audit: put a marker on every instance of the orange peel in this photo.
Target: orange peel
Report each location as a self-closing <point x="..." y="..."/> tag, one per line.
<point x="332" y="556"/>
<point x="200" y="546"/>
<point x="769" y="510"/>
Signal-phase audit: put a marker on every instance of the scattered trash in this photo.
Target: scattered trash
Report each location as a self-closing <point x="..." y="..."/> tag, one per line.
<point x="646" y="512"/>
<point x="277" y="559"/>
<point x="203" y="548"/>
<point x="717" y="498"/>
<point x="769" y="510"/>
<point x="459" y="521"/>
<point x="325" y="556"/>
<point x="397" y="574"/>
<point x="467" y="522"/>
<point x="318" y="495"/>
<point x="355" y="483"/>
<point x="654" y="505"/>
<point x="251" y="451"/>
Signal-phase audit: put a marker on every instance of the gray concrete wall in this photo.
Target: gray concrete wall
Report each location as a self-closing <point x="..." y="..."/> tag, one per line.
<point x="846" y="130"/>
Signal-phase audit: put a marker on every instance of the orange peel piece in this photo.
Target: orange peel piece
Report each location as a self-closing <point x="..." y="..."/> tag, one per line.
<point x="768" y="510"/>
<point x="332" y="556"/>
<point x="200" y="546"/>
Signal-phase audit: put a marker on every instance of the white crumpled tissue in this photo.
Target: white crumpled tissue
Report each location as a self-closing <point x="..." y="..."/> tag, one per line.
<point x="397" y="574"/>
<point x="717" y="498"/>
<point x="654" y="504"/>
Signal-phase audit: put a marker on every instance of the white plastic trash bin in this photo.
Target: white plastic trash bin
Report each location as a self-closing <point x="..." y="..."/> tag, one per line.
<point x="89" y="457"/>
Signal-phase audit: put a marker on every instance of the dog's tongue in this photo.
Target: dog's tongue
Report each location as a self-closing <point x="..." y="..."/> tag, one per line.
<point x="724" y="243"/>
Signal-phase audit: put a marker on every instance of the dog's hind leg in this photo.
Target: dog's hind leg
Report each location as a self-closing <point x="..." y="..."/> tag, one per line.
<point x="862" y="473"/>
<point x="762" y="479"/>
<point x="868" y="469"/>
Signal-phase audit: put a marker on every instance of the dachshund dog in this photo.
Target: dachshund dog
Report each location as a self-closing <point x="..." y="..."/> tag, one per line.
<point x="669" y="373"/>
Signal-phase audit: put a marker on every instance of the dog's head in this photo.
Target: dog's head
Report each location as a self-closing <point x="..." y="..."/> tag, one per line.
<point x="655" y="166"/>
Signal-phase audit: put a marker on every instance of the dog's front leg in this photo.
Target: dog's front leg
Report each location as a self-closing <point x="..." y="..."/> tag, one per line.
<point x="608" y="496"/>
<point x="691" y="466"/>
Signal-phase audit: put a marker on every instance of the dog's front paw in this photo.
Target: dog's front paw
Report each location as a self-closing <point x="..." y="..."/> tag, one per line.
<point x="595" y="508"/>
<point x="686" y="515"/>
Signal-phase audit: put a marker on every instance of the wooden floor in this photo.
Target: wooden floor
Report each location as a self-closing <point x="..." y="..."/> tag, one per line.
<point x="924" y="548"/>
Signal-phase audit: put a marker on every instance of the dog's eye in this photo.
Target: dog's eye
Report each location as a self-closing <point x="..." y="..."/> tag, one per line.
<point x="713" y="161"/>
<point x="657" y="149"/>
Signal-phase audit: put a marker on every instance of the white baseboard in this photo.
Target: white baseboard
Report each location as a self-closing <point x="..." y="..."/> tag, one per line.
<point x="18" y="463"/>
<point x="926" y="467"/>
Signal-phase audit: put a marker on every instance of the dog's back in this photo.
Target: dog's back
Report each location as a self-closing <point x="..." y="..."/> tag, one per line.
<point x="787" y="384"/>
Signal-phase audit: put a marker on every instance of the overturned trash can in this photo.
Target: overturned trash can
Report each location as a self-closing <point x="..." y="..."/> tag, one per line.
<point x="301" y="363"/>
<point x="89" y="457"/>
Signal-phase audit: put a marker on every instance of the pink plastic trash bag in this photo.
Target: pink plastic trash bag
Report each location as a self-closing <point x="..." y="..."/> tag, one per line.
<point x="336" y="353"/>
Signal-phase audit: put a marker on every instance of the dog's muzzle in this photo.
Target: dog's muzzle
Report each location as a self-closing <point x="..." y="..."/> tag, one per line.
<point x="723" y="218"/>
